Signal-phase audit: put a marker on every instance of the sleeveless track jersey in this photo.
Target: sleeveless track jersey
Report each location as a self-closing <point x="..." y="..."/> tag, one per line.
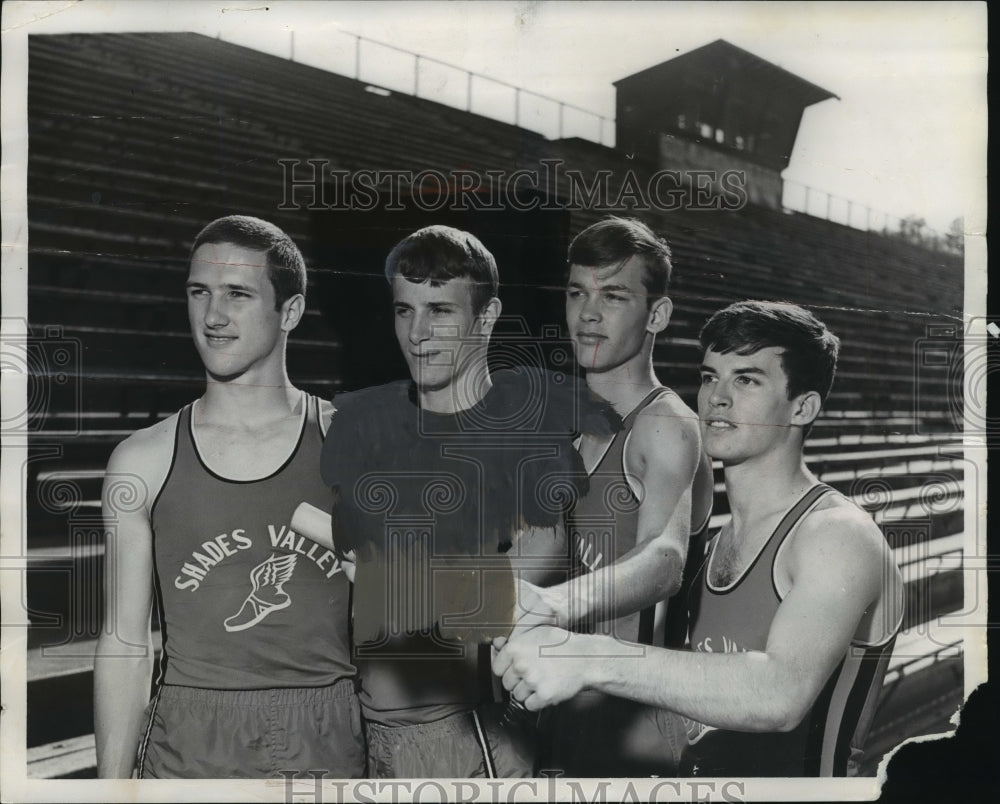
<point x="604" y="526"/>
<point x="594" y="734"/>
<point x="245" y="602"/>
<point x="738" y="618"/>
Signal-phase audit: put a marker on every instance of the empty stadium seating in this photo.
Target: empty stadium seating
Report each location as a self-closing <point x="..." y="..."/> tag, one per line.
<point x="137" y="140"/>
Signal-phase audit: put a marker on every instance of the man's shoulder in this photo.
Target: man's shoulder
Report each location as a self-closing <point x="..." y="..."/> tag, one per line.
<point x="375" y="399"/>
<point x="838" y="550"/>
<point x="668" y="403"/>
<point x="665" y="421"/>
<point x="839" y="526"/>
<point x="366" y="426"/>
<point x="537" y="400"/>
<point x="147" y="455"/>
<point x="148" y="444"/>
<point x="836" y="510"/>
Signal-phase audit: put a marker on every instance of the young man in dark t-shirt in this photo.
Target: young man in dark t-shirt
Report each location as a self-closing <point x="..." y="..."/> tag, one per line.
<point x="447" y="484"/>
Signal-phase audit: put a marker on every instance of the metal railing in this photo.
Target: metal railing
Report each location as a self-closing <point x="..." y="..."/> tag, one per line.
<point x="799" y="197"/>
<point x="397" y="69"/>
<point x="388" y="67"/>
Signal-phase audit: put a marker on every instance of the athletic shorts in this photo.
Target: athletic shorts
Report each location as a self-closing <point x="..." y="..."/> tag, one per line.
<point x="597" y="735"/>
<point x="197" y="733"/>
<point x="468" y="745"/>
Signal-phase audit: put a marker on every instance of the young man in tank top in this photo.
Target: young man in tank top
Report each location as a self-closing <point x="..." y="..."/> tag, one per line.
<point x="795" y="610"/>
<point x="441" y="494"/>
<point x="649" y="499"/>
<point x="255" y="675"/>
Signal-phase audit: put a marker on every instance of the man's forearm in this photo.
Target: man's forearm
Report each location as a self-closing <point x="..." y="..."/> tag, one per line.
<point x="746" y="691"/>
<point x="121" y="692"/>
<point x="636" y="581"/>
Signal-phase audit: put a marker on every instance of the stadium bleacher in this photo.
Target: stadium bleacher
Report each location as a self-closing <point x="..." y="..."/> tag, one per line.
<point x="137" y="140"/>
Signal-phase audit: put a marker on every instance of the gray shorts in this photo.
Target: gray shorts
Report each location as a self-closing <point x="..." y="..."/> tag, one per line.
<point x="194" y="733"/>
<point x="597" y="735"/>
<point x="467" y="745"/>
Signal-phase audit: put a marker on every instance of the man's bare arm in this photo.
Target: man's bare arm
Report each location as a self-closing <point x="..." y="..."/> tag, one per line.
<point x="836" y="562"/>
<point x="123" y="662"/>
<point x="664" y="453"/>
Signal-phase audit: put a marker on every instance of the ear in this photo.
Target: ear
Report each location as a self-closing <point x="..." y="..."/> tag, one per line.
<point x="807" y="407"/>
<point x="659" y="315"/>
<point x="489" y="315"/>
<point x="292" y="311"/>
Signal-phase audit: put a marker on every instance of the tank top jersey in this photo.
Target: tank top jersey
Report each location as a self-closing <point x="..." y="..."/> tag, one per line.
<point x="737" y="618"/>
<point x="604" y="526"/>
<point x="595" y="734"/>
<point x="244" y="601"/>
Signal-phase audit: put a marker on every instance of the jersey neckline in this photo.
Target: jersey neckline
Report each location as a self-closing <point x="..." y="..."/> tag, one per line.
<point x="648" y="399"/>
<point x="760" y="551"/>
<point x="303" y="419"/>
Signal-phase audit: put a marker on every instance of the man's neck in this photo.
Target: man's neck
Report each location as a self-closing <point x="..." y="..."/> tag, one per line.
<point x="238" y="403"/>
<point x="457" y="396"/>
<point x="624" y="386"/>
<point x="763" y="486"/>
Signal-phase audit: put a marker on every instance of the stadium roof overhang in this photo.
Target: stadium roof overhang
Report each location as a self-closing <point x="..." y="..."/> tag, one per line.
<point x="722" y="59"/>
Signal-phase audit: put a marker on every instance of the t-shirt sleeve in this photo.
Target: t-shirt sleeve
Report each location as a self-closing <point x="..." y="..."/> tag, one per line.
<point x="363" y="441"/>
<point x="338" y="461"/>
<point x="366" y="423"/>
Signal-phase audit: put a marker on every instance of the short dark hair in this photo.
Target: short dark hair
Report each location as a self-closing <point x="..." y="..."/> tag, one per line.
<point x="810" y="351"/>
<point x="615" y="240"/>
<point x="438" y="254"/>
<point x="285" y="266"/>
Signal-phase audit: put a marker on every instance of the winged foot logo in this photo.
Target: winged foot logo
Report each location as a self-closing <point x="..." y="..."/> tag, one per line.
<point x="267" y="579"/>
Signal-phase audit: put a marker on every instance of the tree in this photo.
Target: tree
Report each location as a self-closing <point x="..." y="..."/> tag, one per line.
<point x="955" y="238"/>
<point x="911" y="229"/>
